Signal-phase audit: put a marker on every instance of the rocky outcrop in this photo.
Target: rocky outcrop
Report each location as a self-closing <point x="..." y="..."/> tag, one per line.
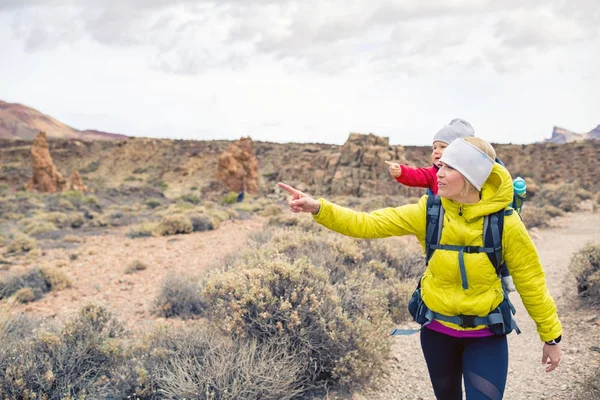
<point x="561" y="135"/>
<point x="46" y="178"/>
<point x="77" y="183"/>
<point x="356" y="168"/>
<point x="238" y="168"/>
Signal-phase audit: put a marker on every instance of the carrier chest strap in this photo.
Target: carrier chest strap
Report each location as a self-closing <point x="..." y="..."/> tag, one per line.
<point x="461" y="259"/>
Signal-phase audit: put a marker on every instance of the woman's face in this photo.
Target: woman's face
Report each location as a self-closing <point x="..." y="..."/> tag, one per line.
<point x="450" y="183"/>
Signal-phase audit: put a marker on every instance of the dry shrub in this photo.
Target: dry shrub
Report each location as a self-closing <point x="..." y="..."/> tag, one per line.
<point x="153" y="203"/>
<point x="220" y="214"/>
<point x="202" y="222"/>
<point x="271" y="210"/>
<point x="534" y="217"/>
<point x="135" y="266"/>
<point x="179" y="297"/>
<point x="553" y="211"/>
<point x="174" y="224"/>
<point x="590" y="390"/>
<point x="340" y="337"/>
<point x="72" y="239"/>
<point x="145" y="229"/>
<point x="25" y="295"/>
<point x="21" y="244"/>
<point x="585" y="264"/>
<point x="38" y="280"/>
<point x="196" y="362"/>
<point x="36" y="228"/>
<point x="75" y="220"/>
<point x="567" y="196"/>
<point x="395" y="266"/>
<point x="65" y="364"/>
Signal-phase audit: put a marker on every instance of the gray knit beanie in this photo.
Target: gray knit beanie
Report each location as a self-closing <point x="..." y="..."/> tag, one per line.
<point x="457" y="128"/>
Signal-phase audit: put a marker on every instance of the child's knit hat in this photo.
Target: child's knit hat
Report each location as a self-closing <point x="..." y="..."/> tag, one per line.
<point x="457" y="128"/>
<point x="471" y="162"/>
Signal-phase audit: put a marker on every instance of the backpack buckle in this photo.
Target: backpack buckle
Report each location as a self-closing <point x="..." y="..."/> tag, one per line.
<point x="467" y="321"/>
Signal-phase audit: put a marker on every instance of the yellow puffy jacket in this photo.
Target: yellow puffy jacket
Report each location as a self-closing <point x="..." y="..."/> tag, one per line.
<point x="441" y="283"/>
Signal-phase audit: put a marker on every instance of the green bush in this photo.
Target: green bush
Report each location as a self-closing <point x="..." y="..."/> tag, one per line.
<point x="585" y="264"/>
<point x="230" y="198"/>
<point x="3" y="189"/>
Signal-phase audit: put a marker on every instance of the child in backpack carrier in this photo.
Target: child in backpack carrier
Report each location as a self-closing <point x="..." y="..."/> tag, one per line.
<point x="426" y="177"/>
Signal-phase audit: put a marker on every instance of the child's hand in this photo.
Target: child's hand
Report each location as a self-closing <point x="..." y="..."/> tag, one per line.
<point x="394" y="168"/>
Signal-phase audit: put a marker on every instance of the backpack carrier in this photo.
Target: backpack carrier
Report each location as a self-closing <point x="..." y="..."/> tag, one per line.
<point x="500" y="321"/>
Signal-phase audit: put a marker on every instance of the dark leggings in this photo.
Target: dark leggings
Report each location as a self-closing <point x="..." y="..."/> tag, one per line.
<point x="482" y="361"/>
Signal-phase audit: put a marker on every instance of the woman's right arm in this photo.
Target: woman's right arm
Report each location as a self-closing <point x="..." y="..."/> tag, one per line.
<point x="399" y="221"/>
<point x="405" y="220"/>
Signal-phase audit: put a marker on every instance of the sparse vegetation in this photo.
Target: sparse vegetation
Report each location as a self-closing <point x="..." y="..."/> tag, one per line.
<point x="135" y="266"/>
<point x="21" y="244"/>
<point x="174" y="224"/>
<point x="61" y="364"/>
<point x="38" y="280"/>
<point x="153" y="203"/>
<point x="586" y="266"/>
<point x="179" y="296"/>
<point x="230" y="198"/>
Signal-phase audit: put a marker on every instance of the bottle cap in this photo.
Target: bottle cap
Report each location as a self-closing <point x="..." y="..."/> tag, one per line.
<point x="519" y="185"/>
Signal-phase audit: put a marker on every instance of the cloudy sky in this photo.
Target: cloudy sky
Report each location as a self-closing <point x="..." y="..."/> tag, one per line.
<point x="305" y="70"/>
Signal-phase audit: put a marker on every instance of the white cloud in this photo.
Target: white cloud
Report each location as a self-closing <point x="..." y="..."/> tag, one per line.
<point x="286" y="68"/>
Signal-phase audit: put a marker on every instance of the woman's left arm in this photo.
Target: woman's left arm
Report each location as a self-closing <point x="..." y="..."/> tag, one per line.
<point x="524" y="265"/>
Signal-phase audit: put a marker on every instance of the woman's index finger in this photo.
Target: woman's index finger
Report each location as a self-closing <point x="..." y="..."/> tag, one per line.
<point x="289" y="189"/>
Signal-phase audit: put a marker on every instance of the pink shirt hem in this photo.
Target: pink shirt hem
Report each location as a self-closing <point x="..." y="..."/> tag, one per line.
<point x="438" y="327"/>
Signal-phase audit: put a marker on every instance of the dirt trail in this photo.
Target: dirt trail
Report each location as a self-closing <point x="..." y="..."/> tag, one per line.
<point x="527" y="379"/>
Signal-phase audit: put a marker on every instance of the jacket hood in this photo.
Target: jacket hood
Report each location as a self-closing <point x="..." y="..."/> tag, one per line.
<point x="496" y="195"/>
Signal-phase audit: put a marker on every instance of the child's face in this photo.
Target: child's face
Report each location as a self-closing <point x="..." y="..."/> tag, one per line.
<point x="437" y="151"/>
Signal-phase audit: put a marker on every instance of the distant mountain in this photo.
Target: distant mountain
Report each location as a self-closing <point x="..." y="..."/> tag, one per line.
<point x="560" y="135"/>
<point x="21" y="122"/>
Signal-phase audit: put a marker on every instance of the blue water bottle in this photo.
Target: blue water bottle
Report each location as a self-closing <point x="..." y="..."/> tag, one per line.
<point x="520" y="189"/>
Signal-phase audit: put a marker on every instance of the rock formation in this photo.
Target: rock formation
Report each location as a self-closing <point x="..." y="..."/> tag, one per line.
<point x="77" y="183"/>
<point x="46" y="177"/>
<point x="561" y="136"/>
<point x="238" y="168"/>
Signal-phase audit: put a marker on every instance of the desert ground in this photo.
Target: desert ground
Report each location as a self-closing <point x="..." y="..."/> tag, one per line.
<point x="97" y="267"/>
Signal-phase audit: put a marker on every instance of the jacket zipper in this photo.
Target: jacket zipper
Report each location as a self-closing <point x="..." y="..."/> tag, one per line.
<point x="460" y="210"/>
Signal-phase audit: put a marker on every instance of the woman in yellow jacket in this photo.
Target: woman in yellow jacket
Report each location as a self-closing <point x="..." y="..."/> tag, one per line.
<point x="471" y="185"/>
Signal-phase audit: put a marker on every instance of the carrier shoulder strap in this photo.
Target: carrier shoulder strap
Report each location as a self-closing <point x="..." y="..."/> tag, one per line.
<point x="493" y="226"/>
